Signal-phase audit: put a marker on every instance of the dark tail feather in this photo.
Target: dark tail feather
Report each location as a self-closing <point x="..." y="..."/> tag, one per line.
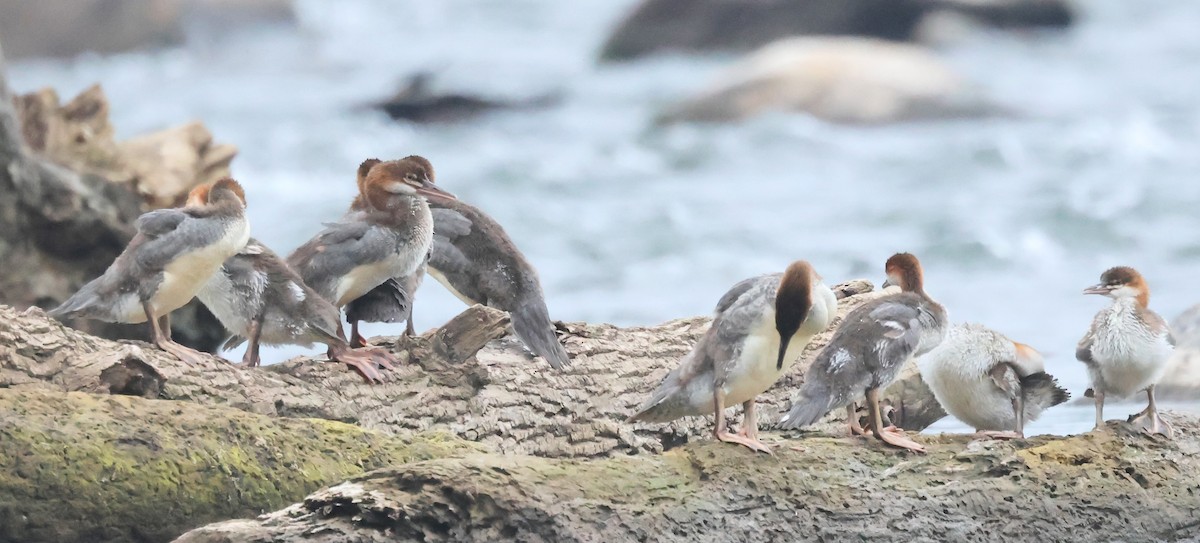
<point x="233" y="342"/>
<point x="78" y="305"/>
<point x="814" y="401"/>
<point x="531" y="321"/>
<point x="1041" y="392"/>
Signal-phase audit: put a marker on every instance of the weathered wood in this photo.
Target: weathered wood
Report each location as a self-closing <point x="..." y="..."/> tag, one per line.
<point x="1110" y="486"/>
<point x="66" y="204"/>
<point x="497" y="395"/>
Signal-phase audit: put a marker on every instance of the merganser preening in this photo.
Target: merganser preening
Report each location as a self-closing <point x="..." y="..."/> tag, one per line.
<point x="867" y="351"/>
<point x="393" y="300"/>
<point x="389" y="238"/>
<point x="760" y="328"/>
<point x="174" y="252"/>
<point x="1127" y="348"/>
<point x="989" y="381"/>
<point x="475" y="260"/>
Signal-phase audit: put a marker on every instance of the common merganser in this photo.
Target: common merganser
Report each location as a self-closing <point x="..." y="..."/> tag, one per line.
<point x="868" y="349"/>
<point x="475" y="260"/>
<point x="174" y="252"/>
<point x="989" y="381"/>
<point x="1128" y="346"/>
<point x="393" y="300"/>
<point x="389" y="238"/>
<point x="759" y="330"/>
<point x="260" y="299"/>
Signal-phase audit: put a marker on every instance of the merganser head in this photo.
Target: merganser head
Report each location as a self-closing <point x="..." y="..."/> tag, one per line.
<point x="793" y="300"/>
<point x="904" y="270"/>
<point x="1122" y="282"/>
<point x="222" y="190"/>
<point x="359" y="202"/>
<point x="409" y="176"/>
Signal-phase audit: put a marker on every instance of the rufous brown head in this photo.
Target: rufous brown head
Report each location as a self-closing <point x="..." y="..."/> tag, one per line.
<point x="904" y="270"/>
<point x="793" y="301"/>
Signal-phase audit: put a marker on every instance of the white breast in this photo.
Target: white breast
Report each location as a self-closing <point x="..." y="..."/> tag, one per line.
<point x="1129" y="357"/>
<point x="184" y="276"/>
<point x="956" y="372"/>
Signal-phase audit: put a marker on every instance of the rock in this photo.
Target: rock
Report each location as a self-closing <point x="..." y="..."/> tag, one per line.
<point x="656" y="26"/>
<point x="84" y="467"/>
<point x="66" y="204"/>
<point x="1092" y="487"/>
<point x="418" y="102"/>
<point x="166" y="165"/>
<point x="1182" y="380"/>
<point x="65" y="28"/>
<point x="459" y="379"/>
<point x="843" y="80"/>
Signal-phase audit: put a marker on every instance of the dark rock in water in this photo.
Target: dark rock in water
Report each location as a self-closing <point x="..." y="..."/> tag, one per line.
<point x="711" y="25"/>
<point x="418" y="103"/>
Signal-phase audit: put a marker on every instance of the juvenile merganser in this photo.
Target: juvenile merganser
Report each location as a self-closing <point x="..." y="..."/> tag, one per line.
<point x="868" y="349"/>
<point x="989" y="381"/>
<point x="475" y="260"/>
<point x="389" y="238"/>
<point x="174" y="252"/>
<point x="1127" y="348"/>
<point x="759" y="330"/>
<point x="393" y="300"/>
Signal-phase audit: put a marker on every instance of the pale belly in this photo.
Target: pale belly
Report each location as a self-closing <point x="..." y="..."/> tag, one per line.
<point x="755" y="371"/>
<point x="446" y="283"/>
<point x="187" y="274"/>
<point x="362" y="279"/>
<point x="1129" y="368"/>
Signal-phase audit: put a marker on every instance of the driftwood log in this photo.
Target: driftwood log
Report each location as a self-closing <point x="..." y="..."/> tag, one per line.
<point x="1109" y="486"/>
<point x="461" y="378"/>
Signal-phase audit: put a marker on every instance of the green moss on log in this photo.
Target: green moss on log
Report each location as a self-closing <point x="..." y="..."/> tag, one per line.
<point x="80" y="467"/>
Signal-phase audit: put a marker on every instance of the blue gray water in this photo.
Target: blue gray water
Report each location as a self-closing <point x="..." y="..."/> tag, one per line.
<point x="1012" y="217"/>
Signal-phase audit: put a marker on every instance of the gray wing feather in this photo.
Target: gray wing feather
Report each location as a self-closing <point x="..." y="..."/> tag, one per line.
<point x="159" y="222"/>
<point x="450" y="223"/>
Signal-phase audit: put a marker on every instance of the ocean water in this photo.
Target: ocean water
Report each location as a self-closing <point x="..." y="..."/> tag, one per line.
<point x="626" y="224"/>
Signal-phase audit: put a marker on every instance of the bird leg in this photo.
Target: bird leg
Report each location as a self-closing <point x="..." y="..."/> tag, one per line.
<point x="408" y="326"/>
<point x="250" y="359"/>
<point x="1156" y="424"/>
<point x="891" y="435"/>
<point x="856" y="429"/>
<point x="359" y="360"/>
<point x="750" y="425"/>
<point x="163" y="340"/>
<point x="1018" y="405"/>
<point x="722" y="433"/>
<point x="356" y="339"/>
<point x="1099" y="409"/>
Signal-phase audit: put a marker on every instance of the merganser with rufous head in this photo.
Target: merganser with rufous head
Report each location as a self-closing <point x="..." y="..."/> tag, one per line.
<point x="389" y="238"/>
<point x="174" y="252"/>
<point x="393" y="300"/>
<point x="867" y="351"/>
<point x="761" y="326"/>
<point x="1128" y="346"/>
<point x="260" y="299"/>
<point x="989" y="381"/>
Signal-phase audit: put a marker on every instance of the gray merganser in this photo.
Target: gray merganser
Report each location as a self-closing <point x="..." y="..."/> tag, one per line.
<point x="388" y="239"/>
<point x="868" y="349"/>
<point x="393" y="300"/>
<point x="760" y="328"/>
<point x="1127" y="348"/>
<point x="259" y="298"/>
<point x="989" y="381"/>
<point x="174" y="252"/>
<point x="475" y="260"/>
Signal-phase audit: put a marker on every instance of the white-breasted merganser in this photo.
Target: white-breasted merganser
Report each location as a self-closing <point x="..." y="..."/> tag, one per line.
<point x="388" y="239"/>
<point x="760" y="328"/>
<point x="868" y="349"/>
<point x="989" y="381"/>
<point x="174" y="252"/>
<point x="393" y="300"/>
<point x="1128" y="346"/>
